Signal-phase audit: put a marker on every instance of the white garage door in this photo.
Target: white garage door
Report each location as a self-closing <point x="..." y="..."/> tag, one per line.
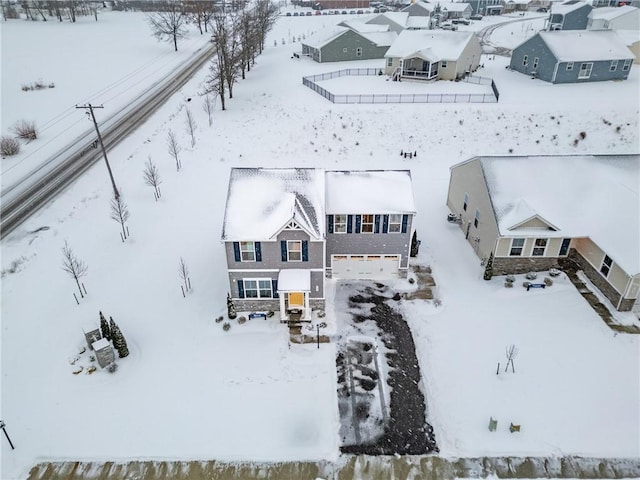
<point x="365" y="266"/>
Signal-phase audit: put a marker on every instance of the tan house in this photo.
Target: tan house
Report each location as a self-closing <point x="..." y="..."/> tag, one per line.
<point x="433" y="55"/>
<point x="532" y="213"/>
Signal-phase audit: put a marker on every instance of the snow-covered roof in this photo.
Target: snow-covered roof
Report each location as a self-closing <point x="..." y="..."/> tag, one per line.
<point x="595" y="196"/>
<point x="325" y="36"/>
<point x="362" y="27"/>
<point x="418" y="22"/>
<point x="565" y="8"/>
<point x="434" y="44"/>
<point x="425" y="5"/>
<point x="369" y="191"/>
<point x="455" y="7"/>
<point x="381" y="39"/>
<point x="609" y="13"/>
<point x="294" y="280"/>
<point x="628" y="37"/>
<point x="582" y="45"/>
<point x="261" y="201"/>
<point x="399" y="18"/>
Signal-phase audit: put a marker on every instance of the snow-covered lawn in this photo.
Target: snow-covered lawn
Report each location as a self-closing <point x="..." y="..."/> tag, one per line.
<point x="191" y="390"/>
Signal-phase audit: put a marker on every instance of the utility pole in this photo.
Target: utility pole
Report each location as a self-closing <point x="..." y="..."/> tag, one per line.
<point x="104" y="152"/>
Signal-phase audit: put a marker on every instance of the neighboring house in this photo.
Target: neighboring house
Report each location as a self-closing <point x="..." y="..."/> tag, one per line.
<point x="534" y="213"/>
<point x="449" y="11"/>
<point x="569" y="16"/>
<point x="614" y="18"/>
<point x="349" y="41"/>
<point x="333" y="4"/>
<point x="433" y="55"/>
<point x="399" y="21"/>
<point x="481" y="7"/>
<point x="420" y="9"/>
<point x="286" y="230"/>
<point x="513" y="6"/>
<point x="573" y="56"/>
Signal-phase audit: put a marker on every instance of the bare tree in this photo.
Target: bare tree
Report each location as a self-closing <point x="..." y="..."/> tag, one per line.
<point x="191" y="126"/>
<point x="227" y="47"/>
<point x="183" y="271"/>
<point x="75" y="267"/>
<point x="120" y="213"/>
<point x="207" y="105"/>
<point x="266" y="13"/>
<point x="511" y="352"/>
<point x="152" y="177"/>
<point x="39" y="5"/>
<point x="174" y="148"/>
<point x="169" y="24"/>
<point x="214" y="82"/>
<point x="25" y="130"/>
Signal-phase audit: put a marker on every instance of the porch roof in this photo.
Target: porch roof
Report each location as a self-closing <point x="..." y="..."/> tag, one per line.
<point x="294" y="280"/>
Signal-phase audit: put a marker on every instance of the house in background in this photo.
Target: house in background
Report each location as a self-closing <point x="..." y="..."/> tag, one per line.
<point x="352" y="40"/>
<point x="573" y="56"/>
<point x="450" y="11"/>
<point x="533" y="213"/>
<point x="515" y="6"/>
<point x="614" y="18"/>
<point x="483" y="7"/>
<point x="433" y="55"/>
<point x="570" y="15"/>
<point x="399" y="21"/>
<point x="286" y="230"/>
<point x="419" y="8"/>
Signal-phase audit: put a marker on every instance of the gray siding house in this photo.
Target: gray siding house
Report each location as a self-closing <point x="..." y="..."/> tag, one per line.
<point x="526" y="212"/>
<point x="419" y="8"/>
<point x="573" y="57"/>
<point x="344" y="43"/>
<point x="369" y="223"/>
<point x="285" y="230"/>
<point x="572" y="15"/>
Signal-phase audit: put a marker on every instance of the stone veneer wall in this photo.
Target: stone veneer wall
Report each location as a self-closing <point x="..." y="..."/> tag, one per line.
<point x="517" y="265"/>
<point x="251" y="305"/>
<point x="599" y="281"/>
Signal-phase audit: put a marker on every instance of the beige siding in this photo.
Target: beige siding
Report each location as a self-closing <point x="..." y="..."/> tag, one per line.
<point x="553" y="247"/>
<point x="468" y="177"/>
<point x="503" y="247"/>
<point x="388" y="70"/>
<point x="469" y="60"/>
<point x="617" y="277"/>
<point x="534" y="222"/>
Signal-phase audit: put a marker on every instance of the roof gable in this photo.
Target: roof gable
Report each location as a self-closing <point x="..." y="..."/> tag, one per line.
<point x="263" y="201"/>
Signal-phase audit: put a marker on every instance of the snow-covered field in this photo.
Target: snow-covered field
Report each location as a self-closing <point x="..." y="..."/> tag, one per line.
<point x="189" y="389"/>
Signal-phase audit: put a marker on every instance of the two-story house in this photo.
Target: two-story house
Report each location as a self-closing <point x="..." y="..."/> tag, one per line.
<point x="286" y="229"/>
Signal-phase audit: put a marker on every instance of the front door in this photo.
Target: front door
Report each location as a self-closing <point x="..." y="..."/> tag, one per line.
<point x="296" y="300"/>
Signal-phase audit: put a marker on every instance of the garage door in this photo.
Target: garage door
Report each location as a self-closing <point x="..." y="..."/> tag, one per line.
<point x="377" y="267"/>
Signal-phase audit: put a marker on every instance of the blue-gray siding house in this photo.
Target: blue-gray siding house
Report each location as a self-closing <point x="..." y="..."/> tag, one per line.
<point x="572" y="15"/>
<point x="573" y="57"/>
<point x="349" y="41"/>
<point x="286" y="230"/>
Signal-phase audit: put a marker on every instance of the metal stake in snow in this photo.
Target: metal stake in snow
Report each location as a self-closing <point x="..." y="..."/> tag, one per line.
<point x="104" y="152"/>
<point x="6" y="434"/>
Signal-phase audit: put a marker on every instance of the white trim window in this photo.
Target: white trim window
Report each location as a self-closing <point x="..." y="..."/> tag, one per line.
<point x="539" y="247"/>
<point x="607" y="263"/>
<point x="614" y="66"/>
<point x="395" y="223"/>
<point x="517" y="245"/>
<point x="536" y="60"/>
<point x="476" y="220"/>
<point x="390" y="62"/>
<point x="367" y="223"/>
<point x="339" y="224"/>
<point x="359" y="52"/>
<point x="257" y="288"/>
<point x="626" y="65"/>
<point x="569" y="66"/>
<point x="525" y="60"/>
<point x="443" y="64"/>
<point x="294" y="250"/>
<point x="466" y="201"/>
<point x="585" y="70"/>
<point x="345" y="50"/>
<point x="248" y="251"/>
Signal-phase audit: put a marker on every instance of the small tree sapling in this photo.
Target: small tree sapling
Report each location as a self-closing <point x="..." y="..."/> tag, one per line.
<point x="152" y="177"/>
<point x="183" y="271"/>
<point x="120" y="213"/>
<point x="75" y="267"/>
<point x="119" y="342"/>
<point x="174" y="148"/>
<point x="488" y="269"/>
<point x="208" y="104"/>
<point x="191" y="126"/>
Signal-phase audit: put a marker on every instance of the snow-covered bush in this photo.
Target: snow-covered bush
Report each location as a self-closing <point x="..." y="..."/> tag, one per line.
<point x="242" y="319"/>
<point x="9" y="146"/>
<point x="510" y="279"/>
<point x="548" y="281"/>
<point x="531" y="276"/>
<point x="226" y="326"/>
<point x="25" y="130"/>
